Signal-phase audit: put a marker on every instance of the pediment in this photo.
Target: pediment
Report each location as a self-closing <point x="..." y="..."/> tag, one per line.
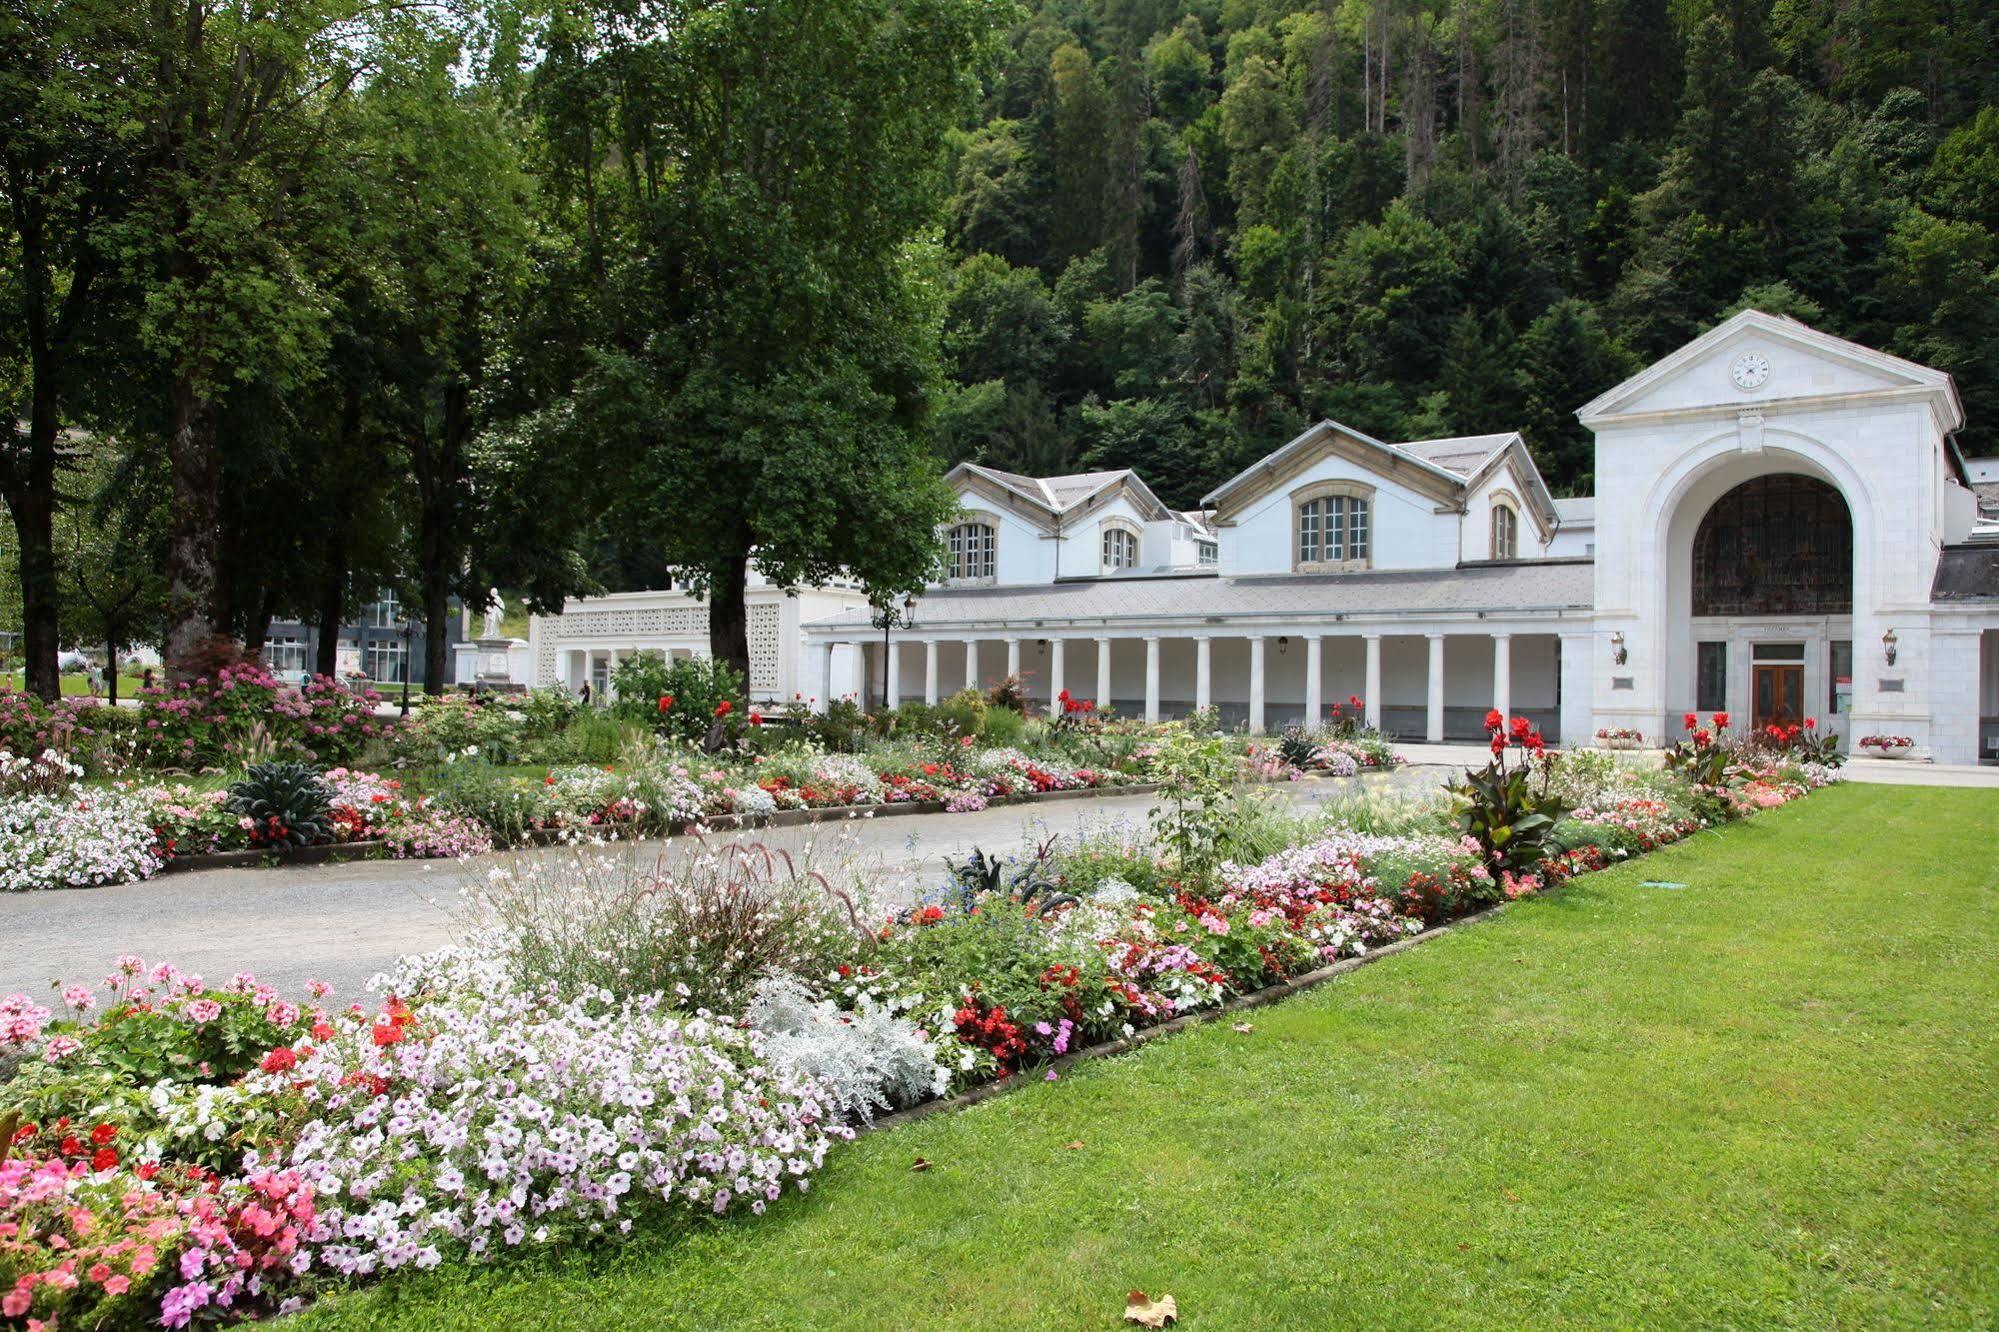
<point x="1756" y="358"/>
<point x="1330" y="439"/>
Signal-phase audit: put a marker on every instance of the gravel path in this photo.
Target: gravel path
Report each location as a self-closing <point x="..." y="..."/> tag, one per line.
<point x="345" y="923"/>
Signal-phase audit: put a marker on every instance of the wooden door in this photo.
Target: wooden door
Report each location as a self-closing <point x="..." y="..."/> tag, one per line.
<point x="1779" y="695"/>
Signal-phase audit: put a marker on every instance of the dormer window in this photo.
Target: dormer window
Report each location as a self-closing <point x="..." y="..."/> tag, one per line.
<point x="1505" y="532"/>
<point x="1120" y="549"/>
<point x="1334" y="527"/>
<point x="973" y="549"/>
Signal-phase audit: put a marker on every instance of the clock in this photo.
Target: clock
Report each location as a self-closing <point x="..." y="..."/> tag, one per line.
<point x="1750" y="370"/>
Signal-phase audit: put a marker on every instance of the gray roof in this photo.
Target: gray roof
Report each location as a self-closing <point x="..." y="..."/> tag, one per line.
<point x="1461" y="453"/>
<point x="1510" y="585"/>
<point x="1577" y="511"/>
<point x="1967" y="573"/>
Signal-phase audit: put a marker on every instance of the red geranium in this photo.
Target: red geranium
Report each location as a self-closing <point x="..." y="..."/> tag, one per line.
<point x="104" y="1159"/>
<point x="724" y="708"/>
<point x="665" y="702"/>
<point x="280" y="1059"/>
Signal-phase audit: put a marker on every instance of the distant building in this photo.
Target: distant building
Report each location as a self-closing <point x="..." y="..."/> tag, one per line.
<point x="373" y="646"/>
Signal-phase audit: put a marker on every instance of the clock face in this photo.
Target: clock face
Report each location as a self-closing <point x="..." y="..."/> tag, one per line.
<point x="1750" y="370"/>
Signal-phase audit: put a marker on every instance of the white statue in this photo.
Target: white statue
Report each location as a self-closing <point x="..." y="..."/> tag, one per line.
<point x="496" y="606"/>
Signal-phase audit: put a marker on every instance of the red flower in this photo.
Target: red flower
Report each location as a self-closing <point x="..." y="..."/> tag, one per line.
<point x="71" y="1146"/>
<point x="1721" y="721"/>
<point x="1521" y="726"/>
<point x="1690" y="721"/>
<point x="1064" y="696"/>
<point x="388" y="1033"/>
<point x="1811" y="723"/>
<point x="1353" y="701"/>
<point x="724" y="708"/>
<point x="103" y="1159"/>
<point x="756" y="718"/>
<point x="1498" y="740"/>
<point x="278" y="1060"/>
<point x="103" y="1133"/>
<point x="1493" y="720"/>
<point x="322" y="1031"/>
<point x="665" y="702"/>
<point x="931" y="914"/>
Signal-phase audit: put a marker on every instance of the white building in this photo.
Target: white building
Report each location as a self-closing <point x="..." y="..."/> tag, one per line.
<point x="1783" y="528"/>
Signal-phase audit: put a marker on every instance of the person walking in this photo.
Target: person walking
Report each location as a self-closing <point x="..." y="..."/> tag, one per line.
<point x="584" y="693"/>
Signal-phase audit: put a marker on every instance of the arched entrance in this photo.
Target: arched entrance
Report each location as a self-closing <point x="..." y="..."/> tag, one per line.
<point x="1763" y="551"/>
<point x="1774" y="556"/>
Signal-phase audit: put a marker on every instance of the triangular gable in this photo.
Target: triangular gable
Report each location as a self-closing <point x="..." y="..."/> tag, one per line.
<point x="1330" y="439"/>
<point x="1837" y="368"/>
<point x="1033" y="498"/>
<point x="1517" y="460"/>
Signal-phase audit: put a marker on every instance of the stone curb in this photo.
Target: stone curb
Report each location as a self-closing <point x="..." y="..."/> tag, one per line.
<point x="1270" y="994"/>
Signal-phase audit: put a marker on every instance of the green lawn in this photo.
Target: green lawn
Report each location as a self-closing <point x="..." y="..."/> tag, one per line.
<point x="76" y="686"/>
<point x="1770" y="1098"/>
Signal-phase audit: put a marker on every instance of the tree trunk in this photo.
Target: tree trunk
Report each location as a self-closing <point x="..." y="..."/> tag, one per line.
<point x="332" y="600"/>
<point x="436" y="630"/>
<point x="194" y="539"/>
<point x="32" y="505"/>
<point x="729" y="615"/>
<point x="111" y="671"/>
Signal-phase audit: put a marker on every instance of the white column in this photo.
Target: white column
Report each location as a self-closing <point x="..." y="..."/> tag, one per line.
<point x="930" y="647"/>
<point x="610" y="675"/>
<point x="1204" y="673"/>
<point x="826" y="676"/>
<point x="1433" y="726"/>
<point x="1055" y="685"/>
<point x="971" y="663"/>
<point x="1103" y="672"/>
<point x="1152" y="679"/>
<point x="1013" y="657"/>
<point x="1256" y="685"/>
<point x="892" y="686"/>
<point x="1314" y="691"/>
<point x="1373" y="685"/>
<point x="1577" y="676"/>
<point x="1502" y="674"/>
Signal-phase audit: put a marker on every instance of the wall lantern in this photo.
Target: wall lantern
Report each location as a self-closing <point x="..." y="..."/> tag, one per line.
<point x="1618" y="655"/>
<point x="1283" y="644"/>
<point x="1888" y="649"/>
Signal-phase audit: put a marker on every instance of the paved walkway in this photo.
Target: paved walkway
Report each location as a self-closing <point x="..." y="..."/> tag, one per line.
<point x="344" y="923"/>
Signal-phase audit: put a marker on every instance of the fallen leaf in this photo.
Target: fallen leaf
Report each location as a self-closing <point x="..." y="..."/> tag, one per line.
<point x="1245" y="1028"/>
<point x="1076" y="1146"/>
<point x="1511" y="1196"/>
<point x="920" y="1164"/>
<point x="1149" y="1312"/>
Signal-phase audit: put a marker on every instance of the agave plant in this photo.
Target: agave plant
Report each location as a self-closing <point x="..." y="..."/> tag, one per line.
<point x="286" y="803"/>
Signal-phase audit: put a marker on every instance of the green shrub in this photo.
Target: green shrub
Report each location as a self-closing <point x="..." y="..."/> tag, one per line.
<point x="964" y="713"/>
<point x="286" y="803"/>
<point x="842" y="728"/>
<point x="683" y="699"/>
<point x="1004" y="727"/>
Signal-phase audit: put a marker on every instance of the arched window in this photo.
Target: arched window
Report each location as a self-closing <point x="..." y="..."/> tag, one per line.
<point x="1120" y="548"/>
<point x="1778" y="545"/>
<point x="972" y="548"/>
<point x="1333" y="530"/>
<point x="1505" y="532"/>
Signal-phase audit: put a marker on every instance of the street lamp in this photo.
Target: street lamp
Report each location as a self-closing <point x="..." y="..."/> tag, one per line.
<point x="409" y="631"/>
<point x="887" y="616"/>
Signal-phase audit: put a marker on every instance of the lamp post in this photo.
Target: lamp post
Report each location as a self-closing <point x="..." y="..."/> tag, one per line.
<point x="409" y="632"/>
<point x="888" y="616"/>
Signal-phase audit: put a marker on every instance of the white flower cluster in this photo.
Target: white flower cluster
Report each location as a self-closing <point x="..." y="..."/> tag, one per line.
<point x="492" y="1118"/>
<point x="49" y="773"/>
<point x="868" y="1059"/>
<point x="78" y="839"/>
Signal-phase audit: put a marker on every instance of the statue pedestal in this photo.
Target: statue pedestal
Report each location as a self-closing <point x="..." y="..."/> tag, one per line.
<point x="493" y="663"/>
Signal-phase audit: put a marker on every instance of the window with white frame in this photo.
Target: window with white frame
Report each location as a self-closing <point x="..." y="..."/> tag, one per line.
<point x="973" y="550"/>
<point x="1120" y="548"/>
<point x="1206" y="552"/>
<point x="385" y="613"/>
<point x="285" y="656"/>
<point x="1334" y="529"/>
<point x="1505" y="532"/>
<point x="387" y="659"/>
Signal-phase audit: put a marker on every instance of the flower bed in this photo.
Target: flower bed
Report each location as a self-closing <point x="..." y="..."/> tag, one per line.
<point x="182" y="1151"/>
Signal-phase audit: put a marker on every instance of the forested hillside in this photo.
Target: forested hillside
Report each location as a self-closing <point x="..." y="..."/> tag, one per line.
<point x="1182" y="230"/>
